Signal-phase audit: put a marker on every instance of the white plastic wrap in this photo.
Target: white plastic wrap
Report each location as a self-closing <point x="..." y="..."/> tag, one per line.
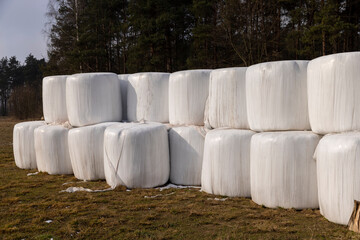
<point x="276" y="96"/>
<point x="333" y="93"/>
<point x="227" y="98"/>
<point x="188" y="91"/>
<point x="186" y="154"/>
<point x="86" y="148"/>
<point x="124" y="82"/>
<point x="51" y="148"/>
<point x="136" y="155"/>
<point x="148" y="97"/>
<point x="226" y="163"/>
<point x="338" y="163"/>
<point x="23" y="144"/>
<point x="54" y="99"/>
<point x="93" y="98"/>
<point x="283" y="171"/>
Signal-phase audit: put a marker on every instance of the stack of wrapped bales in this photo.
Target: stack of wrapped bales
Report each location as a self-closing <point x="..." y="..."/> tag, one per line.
<point x="188" y="93"/>
<point x="334" y="107"/>
<point x="226" y="161"/>
<point x="282" y="170"/>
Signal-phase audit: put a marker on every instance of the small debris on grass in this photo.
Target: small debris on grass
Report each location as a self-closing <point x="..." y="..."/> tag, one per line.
<point x="218" y="199"/>
<point x="160" y="195"/>
<point x="170" y="185"/>
<point x="48" y="221"/>
<point x="32" y="173"/>
<point x="81" y="189"/>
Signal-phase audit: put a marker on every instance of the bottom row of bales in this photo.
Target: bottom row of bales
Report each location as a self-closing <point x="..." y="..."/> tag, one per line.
<point x="292" y="169"/>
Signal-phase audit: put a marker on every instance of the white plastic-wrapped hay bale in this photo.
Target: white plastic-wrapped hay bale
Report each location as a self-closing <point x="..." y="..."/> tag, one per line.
<point x="23" y="144"/>
<point x="276" y="96"/>
<point x="226" y="163"/>
<point x="282" y="169"/>
<point x="86" y="148"/>
<point x="51" y="148"/>
<point x="186" y="154"/>
<point x="148" y="97"/>
<point x="124" y="82"/>
<point x="338" y="163"/>
<point x="93" y="98"/>
<point x="54" y="99"/>
<point x="188" y="92"/>
<point x="136" y="155"/>
<point x="227" y="98"/>
<point x="333" y="93"/>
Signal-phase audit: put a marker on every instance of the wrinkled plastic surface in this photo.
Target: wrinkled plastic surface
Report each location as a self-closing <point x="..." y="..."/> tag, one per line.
<point x="276" y="96"/>
<point x="226" y="163"/>
<point x="338" y="163"/>
<point x="52" y="152"/>
<point x="23" y="144"/>
<point x="186" y="154"/>
<point x="124" y="82"/>
<point x="86" y="148"/>
<point x="136" y="155"/>
<point x="54" y="99"/>
<point x="283" y="171"/>
<point x="148" y="97"/>
<point x="188" y="91"/>
<point x="333" y="93"/>
<point x="93" y="98"/>
<point x="227" y="98"/>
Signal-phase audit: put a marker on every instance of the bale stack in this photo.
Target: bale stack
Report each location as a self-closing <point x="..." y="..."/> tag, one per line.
<point x="334" y="107"/>
<point x="226" y="162"/>
<point x="283" y="173"/>
<point x="188" y="92"/>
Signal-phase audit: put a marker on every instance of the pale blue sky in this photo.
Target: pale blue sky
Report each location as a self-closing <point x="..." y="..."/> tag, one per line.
<point x="21" y="28"/>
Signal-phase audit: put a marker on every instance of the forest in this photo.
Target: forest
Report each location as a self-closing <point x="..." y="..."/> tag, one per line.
<point x="127" y="36"/>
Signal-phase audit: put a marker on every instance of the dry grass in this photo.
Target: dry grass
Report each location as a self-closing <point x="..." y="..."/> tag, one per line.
<point x="28" y="201"/>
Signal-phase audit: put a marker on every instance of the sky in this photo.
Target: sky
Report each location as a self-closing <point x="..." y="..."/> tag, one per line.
<point x="22" y="25"/>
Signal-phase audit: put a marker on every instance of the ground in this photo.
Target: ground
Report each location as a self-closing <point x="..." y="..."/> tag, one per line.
<point x="27" y="203"/>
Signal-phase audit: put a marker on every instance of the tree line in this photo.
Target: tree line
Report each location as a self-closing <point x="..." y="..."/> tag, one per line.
<point x="126" y="36"/>
<point x="20" y="86"/>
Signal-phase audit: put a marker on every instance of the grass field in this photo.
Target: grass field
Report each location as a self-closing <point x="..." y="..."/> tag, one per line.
<point x="28" y="202"/>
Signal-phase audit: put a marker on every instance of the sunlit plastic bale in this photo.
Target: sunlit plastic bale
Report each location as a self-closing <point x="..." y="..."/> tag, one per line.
<point x="283" y="171"/>
<point x="276" y="96"/>
<point x="93" y="98"/>
<point x="23" y="144"/>
<point x="333" y="93"/>
<point x="54" y="99"/>
<point x="227" y="98"/>
<point x="186" y="154"/>
<point x="51" y="148"/>
<point x="148" y="97"/>
<point x="124" y="82"/>
<point x="136" y="155"/>
<point x="86" y="148"/>
<point x="338" y="163"/>
<point x="188" y="92"/>
<point x="226" y="163"/>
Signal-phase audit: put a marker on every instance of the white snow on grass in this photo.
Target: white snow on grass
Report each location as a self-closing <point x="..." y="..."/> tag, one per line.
<point x="170" y="185"/>
<point x="81" y="189"/>
<point x="32" y="173"/>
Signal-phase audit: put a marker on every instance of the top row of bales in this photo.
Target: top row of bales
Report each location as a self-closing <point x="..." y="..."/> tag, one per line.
<point x="320" y="95"/>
